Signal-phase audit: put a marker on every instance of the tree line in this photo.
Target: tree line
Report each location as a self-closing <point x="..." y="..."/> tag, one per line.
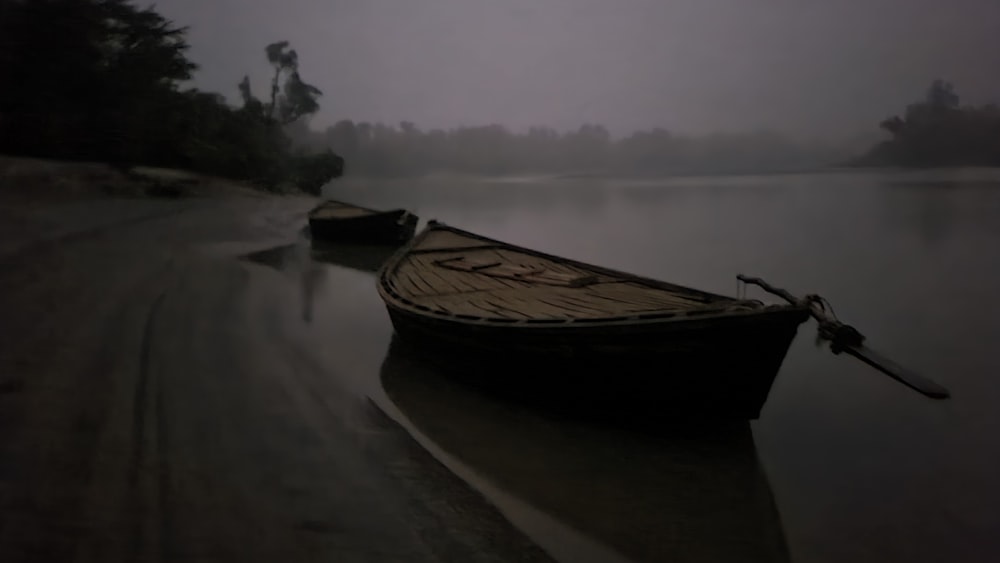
<point x="101" y="80"/>
<point x="377" y="149"/>
<point x="939" y="131"/>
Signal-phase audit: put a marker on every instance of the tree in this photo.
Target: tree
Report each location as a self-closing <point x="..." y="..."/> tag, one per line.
<point x="295" y="98"/>
<point x="299" y="99"/>
<point x="282" y="61"/>
<point x="893" y="125"/>
<point x="101" y="80"/>
<point x="938" y="132"/>
<point x="941" y="95"/>
<point x="83" y="77"/>
<point x="251" y="105"/>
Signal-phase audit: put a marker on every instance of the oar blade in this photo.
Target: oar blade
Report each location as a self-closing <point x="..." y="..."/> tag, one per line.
<point x="912" y="380"/>
<point x="846" y="338"/>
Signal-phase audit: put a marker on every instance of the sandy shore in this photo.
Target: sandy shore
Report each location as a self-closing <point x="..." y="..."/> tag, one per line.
<point x="163" y="399"/>
<point x="42" y="180"/>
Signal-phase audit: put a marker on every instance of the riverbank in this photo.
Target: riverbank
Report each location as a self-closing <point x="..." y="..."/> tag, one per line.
<point x="46" y="180"/>
<point x="162" y="398"/>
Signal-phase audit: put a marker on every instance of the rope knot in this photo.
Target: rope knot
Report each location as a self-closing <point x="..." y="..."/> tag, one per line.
<point x="841" y="336"/>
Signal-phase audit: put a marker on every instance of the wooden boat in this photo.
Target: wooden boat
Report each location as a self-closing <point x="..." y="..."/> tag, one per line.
<point x="339" y="221"/>
<point x="573" y="336"/>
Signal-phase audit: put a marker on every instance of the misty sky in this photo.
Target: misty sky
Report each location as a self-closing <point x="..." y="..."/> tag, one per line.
<point x="807" y="67"/>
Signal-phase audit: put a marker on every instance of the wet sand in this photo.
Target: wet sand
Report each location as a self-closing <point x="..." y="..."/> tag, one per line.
<point x="162" y="399"/>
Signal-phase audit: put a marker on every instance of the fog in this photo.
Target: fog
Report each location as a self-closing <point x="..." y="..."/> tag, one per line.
<point x="804" y="68"/>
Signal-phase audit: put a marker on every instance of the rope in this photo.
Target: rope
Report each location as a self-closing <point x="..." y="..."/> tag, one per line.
<point x="841" y="336"/>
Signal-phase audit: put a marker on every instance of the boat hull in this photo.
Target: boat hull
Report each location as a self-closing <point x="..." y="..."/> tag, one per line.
<point x="389" y="227"/>
<point x="720" y="367"/>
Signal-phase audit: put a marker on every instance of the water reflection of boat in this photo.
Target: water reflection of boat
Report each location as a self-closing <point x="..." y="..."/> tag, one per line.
<point x="345" y="222"/>
<point x="568" y="334"/>
<point x="362" y="257"/>
<point x="296" y="256"/>
<point x="303" y="261"/>
<point x="689" y="494"/>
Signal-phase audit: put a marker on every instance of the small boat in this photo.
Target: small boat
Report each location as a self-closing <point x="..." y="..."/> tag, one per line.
<point x="574" y="336"/>
<point x="339" y="221"/>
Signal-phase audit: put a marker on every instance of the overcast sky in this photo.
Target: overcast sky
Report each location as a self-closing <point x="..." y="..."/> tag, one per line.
<point x="806" y="67"/>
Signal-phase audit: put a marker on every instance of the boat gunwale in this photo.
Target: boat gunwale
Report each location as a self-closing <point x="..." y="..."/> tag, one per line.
<point x="371" y="212"/>
<point x="393" y="299"/>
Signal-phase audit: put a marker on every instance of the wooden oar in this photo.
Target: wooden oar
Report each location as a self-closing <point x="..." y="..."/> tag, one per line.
<point x="845" y="338"/>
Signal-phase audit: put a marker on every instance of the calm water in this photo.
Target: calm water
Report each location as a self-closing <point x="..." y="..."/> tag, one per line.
<point x="858" y="467"/>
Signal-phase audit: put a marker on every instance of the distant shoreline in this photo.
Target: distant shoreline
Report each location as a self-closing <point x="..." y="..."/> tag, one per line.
<point x="947" y="172"/>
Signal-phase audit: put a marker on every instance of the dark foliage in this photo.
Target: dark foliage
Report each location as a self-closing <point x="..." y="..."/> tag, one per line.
<point x="940" y="132"/>
<point x="312" y="171"/>
<point x="100" y="80"/>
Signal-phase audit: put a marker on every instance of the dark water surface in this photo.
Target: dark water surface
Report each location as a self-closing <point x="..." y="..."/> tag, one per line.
<point x="843" y="465"/>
